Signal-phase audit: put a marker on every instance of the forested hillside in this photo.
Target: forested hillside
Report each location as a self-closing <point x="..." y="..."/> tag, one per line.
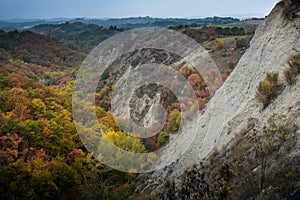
<point x="41" y="154"/>
<point x="38" y="49"/>
<point x="78" y="36"/>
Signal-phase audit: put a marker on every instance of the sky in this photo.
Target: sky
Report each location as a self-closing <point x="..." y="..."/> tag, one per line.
<point x="46" y="9"/>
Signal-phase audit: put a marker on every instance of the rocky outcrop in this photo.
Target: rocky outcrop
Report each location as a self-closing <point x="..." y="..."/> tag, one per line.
<point x="276" y="39"/>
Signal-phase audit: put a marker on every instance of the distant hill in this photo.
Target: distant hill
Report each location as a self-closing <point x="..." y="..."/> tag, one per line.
<point x="77" y="36"/>
<point x="132" y="22"/>
<point x="249" y="25"/>
<point x="39" y="57"/>
<point x="20" y="24"/>
<point x="38" y="49"/>
<point x="86" y="34"/>
<point x="138" y="22"/>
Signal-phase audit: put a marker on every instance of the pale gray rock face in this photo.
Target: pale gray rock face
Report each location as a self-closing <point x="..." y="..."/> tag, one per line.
<point x="274" y="41"/>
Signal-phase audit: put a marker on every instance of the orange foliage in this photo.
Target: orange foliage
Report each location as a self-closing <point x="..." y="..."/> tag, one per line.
<point x="219" y="44"/>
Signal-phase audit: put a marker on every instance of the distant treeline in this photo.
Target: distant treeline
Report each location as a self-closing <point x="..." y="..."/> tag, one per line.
<point x="219" y="30"/>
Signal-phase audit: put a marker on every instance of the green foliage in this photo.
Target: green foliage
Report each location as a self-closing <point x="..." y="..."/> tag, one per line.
<point x="31" y="131"/>
<point x="177" y="27"/>
<point x="38" y="108"/>
<point x="230" y="31"/>
<point x="242" y="42"/>
<point x="163" y="138"/>
<point x="114" y="156"/>
<point x="268" y="89"/>
<point x="78" y="36"/>
<point x="125" y="141"/>
<point x="174" y="121"/>
<point x="40" y="178"/>
<point x="5" y="80"/>
<point x="4" y="106"/>
<point x="41" y="156"/>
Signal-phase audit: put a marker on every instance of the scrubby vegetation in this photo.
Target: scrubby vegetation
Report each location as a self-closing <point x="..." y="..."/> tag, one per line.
<point x="245" y="169"/>
<point x="291" y="73"/>
<point x="220" y="44"/>
<point x="291" y="8"/>
<point x="212" y="32"/>
<point x="268" y="89"/>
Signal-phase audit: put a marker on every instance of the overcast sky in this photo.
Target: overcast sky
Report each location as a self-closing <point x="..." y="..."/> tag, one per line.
<point x="29" y="9"/>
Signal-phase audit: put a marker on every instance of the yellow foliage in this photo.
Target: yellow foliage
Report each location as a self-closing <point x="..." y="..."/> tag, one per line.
<point x="111" y="135"/>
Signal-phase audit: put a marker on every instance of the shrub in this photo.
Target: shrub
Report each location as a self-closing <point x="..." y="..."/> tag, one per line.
<point x="294" y="69"/>
<point x="268" y="89"/>
<point x="242" y="42"/>
<point x="290" y="75"/>
<point x="219" y="44"/>
<point x="163" y="138"/>
<point x="252" y="164"/>
<point x="294" y="61"/>
<point x="174" y="120"/>
<point x="290" y="8"/>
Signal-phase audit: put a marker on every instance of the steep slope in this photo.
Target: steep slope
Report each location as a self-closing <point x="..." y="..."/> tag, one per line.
<point x="275" y="40"/>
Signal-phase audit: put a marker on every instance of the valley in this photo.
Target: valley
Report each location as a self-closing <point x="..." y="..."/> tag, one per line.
<point x="255" y="155"/>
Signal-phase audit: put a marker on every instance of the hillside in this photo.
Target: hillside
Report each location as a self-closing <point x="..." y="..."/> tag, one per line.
<point x="39" y="143"/>
<point x="226" y="58"/>
<point x="77" y="36"/>
<point x="249" y="25"/>
<point x="247" y="134"/>
<point x="138" y="22"/>
<point x="245" y="149"/>
<point x="37" y="49"/>
<point x="41" y="154"/>
<point x="131" y="22"/>
<point x="39" y="57"/>
<point x="21" y="24"/>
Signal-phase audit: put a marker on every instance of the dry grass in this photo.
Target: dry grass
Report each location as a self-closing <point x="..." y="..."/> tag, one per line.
<point x="268" y="89"/>
<point x="220" y="44"/>
<point x="291" y="73"/>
